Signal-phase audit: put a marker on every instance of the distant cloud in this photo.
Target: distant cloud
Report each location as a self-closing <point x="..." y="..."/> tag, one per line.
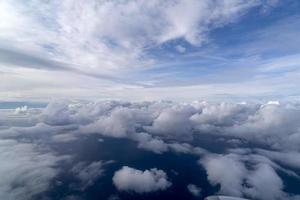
<point x="130" y="179"/>
<point x="21" y="110"/>
<point x="194" y="190"/>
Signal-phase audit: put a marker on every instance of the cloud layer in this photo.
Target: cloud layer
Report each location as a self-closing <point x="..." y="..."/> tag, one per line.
<point x="218" y="134"/>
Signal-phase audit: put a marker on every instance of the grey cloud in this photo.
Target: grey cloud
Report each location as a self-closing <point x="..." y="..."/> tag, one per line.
<point x="20" y="59"/>
<point x="289" y="158"/>
<point x="24" y="171"/>
<point x="264" y="183"/>
<point x="228" y="171"/>
<point x="146" y="141"/>
<point x="246" y="175"/>
<point x="194" y="190"/>
<point x="17" y="58"/>
<point x="87" y="173"/>
<point x="65" y="137"/>
<point x="173" y="122"/>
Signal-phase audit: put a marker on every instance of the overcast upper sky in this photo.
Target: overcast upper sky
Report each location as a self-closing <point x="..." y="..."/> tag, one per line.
<point x="149" y="50"/>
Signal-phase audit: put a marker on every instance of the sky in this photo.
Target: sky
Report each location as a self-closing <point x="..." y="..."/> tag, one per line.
<point x="149" y="99"/>
<point x="180" y="50"/>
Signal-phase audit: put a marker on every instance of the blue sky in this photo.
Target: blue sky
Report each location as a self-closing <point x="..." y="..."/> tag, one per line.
<point x="150" y="50"/>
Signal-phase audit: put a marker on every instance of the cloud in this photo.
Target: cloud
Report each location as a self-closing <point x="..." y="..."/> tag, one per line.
<point x="194" y="190"/>
<point x="265" y="183"/>
<point x="21" y="110"/>
<point x="130" y="179"/>
<point x="173" y="122"/>
<point x="67" y="137"/>
<point x="227" y="171"/>
<point x="25" y="172"/>
<point x="146" y="141"/>
<point x="290" y="159"/>
<point x="246" y="175"/>
<point x="234" y="142"/>
<point x="87" y="173"/>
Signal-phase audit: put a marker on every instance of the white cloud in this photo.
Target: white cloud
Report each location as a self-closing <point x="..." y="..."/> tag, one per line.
<point x="130" y="179"/>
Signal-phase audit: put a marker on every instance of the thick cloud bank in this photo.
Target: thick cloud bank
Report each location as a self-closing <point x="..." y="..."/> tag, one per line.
<point x="246" y="149"/>
<point x="130" y="179"/>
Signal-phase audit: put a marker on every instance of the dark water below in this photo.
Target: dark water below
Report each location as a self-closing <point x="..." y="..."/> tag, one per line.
<point x="181" y="169"/>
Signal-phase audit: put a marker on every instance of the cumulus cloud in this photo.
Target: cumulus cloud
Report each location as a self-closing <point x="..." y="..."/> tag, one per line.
<point x="130" y="179"/>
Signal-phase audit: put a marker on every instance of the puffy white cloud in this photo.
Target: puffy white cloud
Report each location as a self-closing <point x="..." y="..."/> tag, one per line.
<point x="130" y="179"/>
